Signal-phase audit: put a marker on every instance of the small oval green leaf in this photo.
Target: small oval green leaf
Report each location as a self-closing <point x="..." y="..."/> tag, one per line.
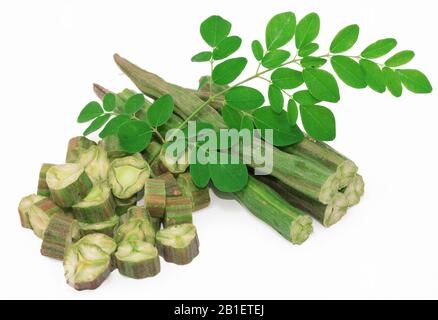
<point x="393" y="82"/>
<point x="345" y="39"/>
<point x="257" y="50"/>
<point x="292" y="112"/>
<point x="307" y="30"/>
<point x="231" y="117"/>
<point x="373" y="75"/>
<point x="399" y="59"/>
<point x="280" y="30"/>
<point x="134" y="103"/>
<point x="228" y="71"/>
<point x="160" y="111"/>
<point x="415" y="81"/>
<point x="244" y="98"/>
<point x="134" y="136"/>
<point x="309" y="49"/>
<point x="349" y="71"/>
<point x="379" y="48"/>
<point x="228" y="177"/>
<point x="215" y="29"/>
<point x="276" y="98"/>
<point x="112" y="127"/>
<point x="91" y="111"/>
<point x="319" y="122"/>
<point x="109" y="102"/>
<point x="275" y="58"/>
<point x="203" y="56"/>
<point x="286" y="78"/>
<point x="97" y="124"/>
<point x="227" y="47"/>
<point x="247" y="123"/>
<point x="304" y="97"/>
<point x="200" y="174"/>
<point x="313" y="62"/>
<point x="322" y="85"/>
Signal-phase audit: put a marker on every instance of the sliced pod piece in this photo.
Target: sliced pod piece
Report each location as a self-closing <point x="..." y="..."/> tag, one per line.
<point x="137" y="259"/>
<point x="127" y="175"/>
<point x="68" y="184"/>
<point x="40" y="214"/>
<point x="76" y="146"/>
<point x="157" y="168"/>
<point x="178" y="211"/>
<point x="135" y="212"/>
<point x="24" y="206"/>
<point x="97" y="206"/>
<point x="135" y="229"/>
<point x="155" y="197"/>
<point x="88" y="262"/>
<point x="152" y="151"/>
<point x="96" y="164"/>
<point x="175" y="163"/>
<point x="178" y="244"/>
<point x="122" y="205"/>
<point x="111" y="145"/>
<point x="156" y="223"/>
<point x="200" y="198"/>
<point x="106" y="227"/>
<point x="172" y="187"/>
<point x="59" y="235"/>
<point x="266" y="204"/>
<point x="43" y="188"/>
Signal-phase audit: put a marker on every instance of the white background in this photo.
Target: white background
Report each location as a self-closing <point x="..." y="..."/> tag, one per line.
<point x="52" y="51"/>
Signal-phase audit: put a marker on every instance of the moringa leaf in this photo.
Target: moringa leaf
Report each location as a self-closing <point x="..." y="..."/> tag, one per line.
<point x="232" y="117"/>
<point x="247" y="123"/>
<point x="319" y="122"/>
<point x="202" y="56"/>
<point x="373" y="75"/>
<point x="304" y="97"/>
<point x="91" y="111"/>
<point x="313" y="62"/>
<point x="134" y="103"/>
<point x="292" y="112"/>
<point x="160" y="111"/>
<point x="393" y="82"/>
<point x="109" y="102"/>
<point x="280" y="30"/>
<point x="307" y="30"/>
<point x="345" y="39"/>
<point x="275" y="58"/>
<point x="200" y="174"/>
<point x="349" y="71"/>
<point x="283" y="133"/>
<point x="415" y="81"/>
<point x="215" y="29"/>
<point x="276" y="98"/>
<point x="228" y="177"/>
<point x="227" y="47"/>
<point x="399" y="59"/>
<point x="286" y="78"/>
<point x="379" y="48"/>
<point x="321" y="84"/>
<point x="244" y="98"/>
<point x="134" y="136"/>
<point x="97" y="124"/>
<point x="309" y="49"/>
<point x="112" y="127"/>
<point x="257" y="50"/>
<point x="228" y="71"/>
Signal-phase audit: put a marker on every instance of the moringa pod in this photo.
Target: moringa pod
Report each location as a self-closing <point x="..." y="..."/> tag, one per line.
<point x="178" y="244"/>
<point x="59" y="235"/>
<point x="200" y="197"/>
<point x="68" y="184"/>
<point x="155" y="197"/>
<point x="24" y="206"/>
<point x="178" y="211"/>
<point x="40" y="214"/>
<point x="88" y="262"/>
<point x="111" y="145"/>
<point x="43" y="188"/>
<point x="97" y="206"/>
<point x="127" y="175"/>
<point x="105" y="227"/>
<point x="96" y="163"/>
<point x="76" y="146"/>
<point x="135" y="228"/>
<point x="137" y="259"/>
